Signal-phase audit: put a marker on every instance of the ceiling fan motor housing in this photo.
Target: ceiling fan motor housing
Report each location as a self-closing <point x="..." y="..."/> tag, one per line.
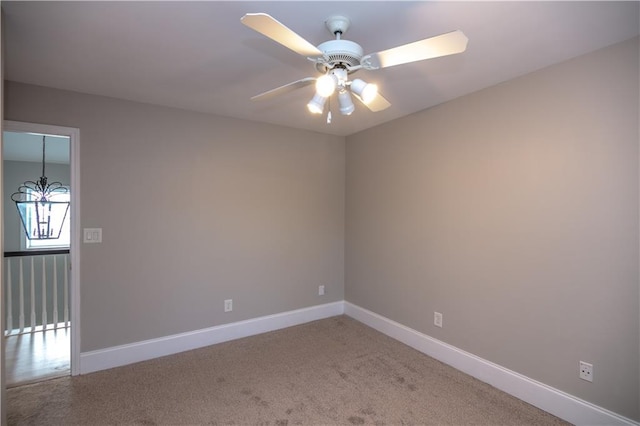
<point x="340" y="52"/>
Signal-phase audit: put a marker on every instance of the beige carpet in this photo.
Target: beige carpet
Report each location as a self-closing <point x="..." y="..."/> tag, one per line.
<point x="333" y="371"/>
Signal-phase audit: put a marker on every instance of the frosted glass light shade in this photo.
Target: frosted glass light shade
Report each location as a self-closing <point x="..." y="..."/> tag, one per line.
<point x="326" y="85"/>
<point x="367" y="92"/>
<point x="316" y="104"/>
<point x="346" y="104"/>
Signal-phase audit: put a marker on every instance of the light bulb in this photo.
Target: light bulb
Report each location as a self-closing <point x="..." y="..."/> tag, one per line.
<point x="326" y="85"/>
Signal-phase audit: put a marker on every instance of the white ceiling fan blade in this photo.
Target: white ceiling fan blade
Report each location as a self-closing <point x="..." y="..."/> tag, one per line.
<point x="276" y="31"/>
<point x="284" y="89"/>
<point x="378" y="103"/>
<point x="442" y="45"/>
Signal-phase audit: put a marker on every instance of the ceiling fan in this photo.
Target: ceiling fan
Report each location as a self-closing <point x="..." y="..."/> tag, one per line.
<point x="339" y="58"/>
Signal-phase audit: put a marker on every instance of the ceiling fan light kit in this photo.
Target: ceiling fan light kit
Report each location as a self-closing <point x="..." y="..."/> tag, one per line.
<point x="367" y="92"/>
<point x="316" y="104"/>
<point x="346" y="104"/>
<point x="326" y="85"/>
<point x="337" y="59"/>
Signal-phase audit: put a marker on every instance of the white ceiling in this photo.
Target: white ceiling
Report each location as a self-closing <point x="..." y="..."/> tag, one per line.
<point x="17" y="146"/>
<point x="198" y="56"/>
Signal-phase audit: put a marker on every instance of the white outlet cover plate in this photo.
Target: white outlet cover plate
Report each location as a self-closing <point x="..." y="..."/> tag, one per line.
<point x="586" y="371"/>
<point x="437" y="319"/>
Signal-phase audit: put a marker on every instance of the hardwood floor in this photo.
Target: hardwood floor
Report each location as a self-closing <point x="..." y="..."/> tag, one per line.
<point x="38" y="356"/>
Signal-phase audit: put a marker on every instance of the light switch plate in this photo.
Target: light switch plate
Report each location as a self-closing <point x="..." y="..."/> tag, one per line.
<point x="92" y="235"/>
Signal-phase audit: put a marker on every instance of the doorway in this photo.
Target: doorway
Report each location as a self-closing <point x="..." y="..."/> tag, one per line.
<point x="41" y="287"/>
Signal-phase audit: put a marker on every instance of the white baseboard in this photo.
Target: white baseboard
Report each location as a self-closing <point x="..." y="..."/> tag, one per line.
<point x="117" y="356"/>
<point x="545" y="397"/>
<point x="538" y="394"/>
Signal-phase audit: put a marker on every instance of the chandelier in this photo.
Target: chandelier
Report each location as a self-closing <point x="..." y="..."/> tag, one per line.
<point x="41" y="209"/>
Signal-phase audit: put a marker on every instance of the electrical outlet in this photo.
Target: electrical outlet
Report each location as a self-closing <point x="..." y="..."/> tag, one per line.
<point x="437" y="319"/>
<point x="320" y="290"/>
<point x="228" y="305"/>
<point x="586" y="371"/>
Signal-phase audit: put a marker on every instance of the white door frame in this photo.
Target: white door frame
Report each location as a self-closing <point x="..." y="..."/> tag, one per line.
<point x="74" y="285"/>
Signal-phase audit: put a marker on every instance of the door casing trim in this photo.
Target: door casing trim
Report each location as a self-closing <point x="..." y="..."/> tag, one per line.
<point x="74" y="286"/>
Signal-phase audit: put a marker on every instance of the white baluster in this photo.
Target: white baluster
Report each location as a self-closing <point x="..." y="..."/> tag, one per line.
<point x="44" y="294"/>
<point x="66" y="291"/>
<point x="55" y="291"/>
<point x="21" y="292"/>
<point x="9" y="298"/>
<point x="33" y="298"/>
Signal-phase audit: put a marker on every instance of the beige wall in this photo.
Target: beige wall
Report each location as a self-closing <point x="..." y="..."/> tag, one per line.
<point x="514" y="212"/>
<point x="195" y="209"/>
